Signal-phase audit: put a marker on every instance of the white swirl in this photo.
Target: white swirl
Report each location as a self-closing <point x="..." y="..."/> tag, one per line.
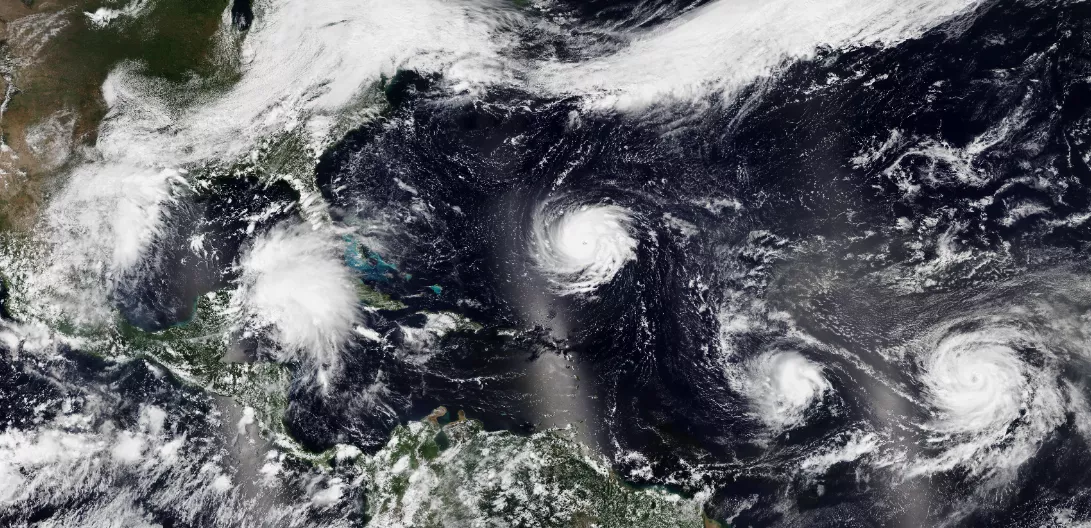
<point x="294" y="284"/>
<point x="582" y="249"/>
<point x="975" y="381"/>
<point x="992" y="407"/>
<point x="782" y="386"/>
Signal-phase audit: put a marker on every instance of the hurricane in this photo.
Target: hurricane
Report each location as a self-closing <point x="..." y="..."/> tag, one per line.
<point x="294" y="285"/>
<point x="624" y="264"/>
<point x="993" y="391"/>
<point x="783" y="386"/>
<point x="579" y="248"/>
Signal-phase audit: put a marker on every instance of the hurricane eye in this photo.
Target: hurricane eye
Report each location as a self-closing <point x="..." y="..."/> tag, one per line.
<point x="581" y="248"/>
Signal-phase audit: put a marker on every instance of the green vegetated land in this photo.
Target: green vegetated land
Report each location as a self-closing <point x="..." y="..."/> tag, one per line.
<point x="429" y="474"/>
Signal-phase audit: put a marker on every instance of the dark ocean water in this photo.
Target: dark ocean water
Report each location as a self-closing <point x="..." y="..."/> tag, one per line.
<point x="820" y="205"/>
<point x="846" y="208"/>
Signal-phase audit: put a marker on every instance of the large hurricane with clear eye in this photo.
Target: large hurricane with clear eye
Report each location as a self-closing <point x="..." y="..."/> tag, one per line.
<point x="975" y="382"/>
<point x="581" y="247"/>
<point x="993" y="395"/>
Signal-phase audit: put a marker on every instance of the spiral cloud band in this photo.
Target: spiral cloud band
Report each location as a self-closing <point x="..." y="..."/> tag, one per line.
<point x="782" y="386"/>
<point x="581" y="249"/>
<point x="994" y="395"/>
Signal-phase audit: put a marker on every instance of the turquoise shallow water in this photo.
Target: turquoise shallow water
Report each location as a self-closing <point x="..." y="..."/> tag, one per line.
<point x="367" y="262"/>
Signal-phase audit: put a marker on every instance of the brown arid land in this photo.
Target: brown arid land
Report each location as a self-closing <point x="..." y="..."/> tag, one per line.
<point x="54" y="58"/>
<point x="29" y="148"/>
